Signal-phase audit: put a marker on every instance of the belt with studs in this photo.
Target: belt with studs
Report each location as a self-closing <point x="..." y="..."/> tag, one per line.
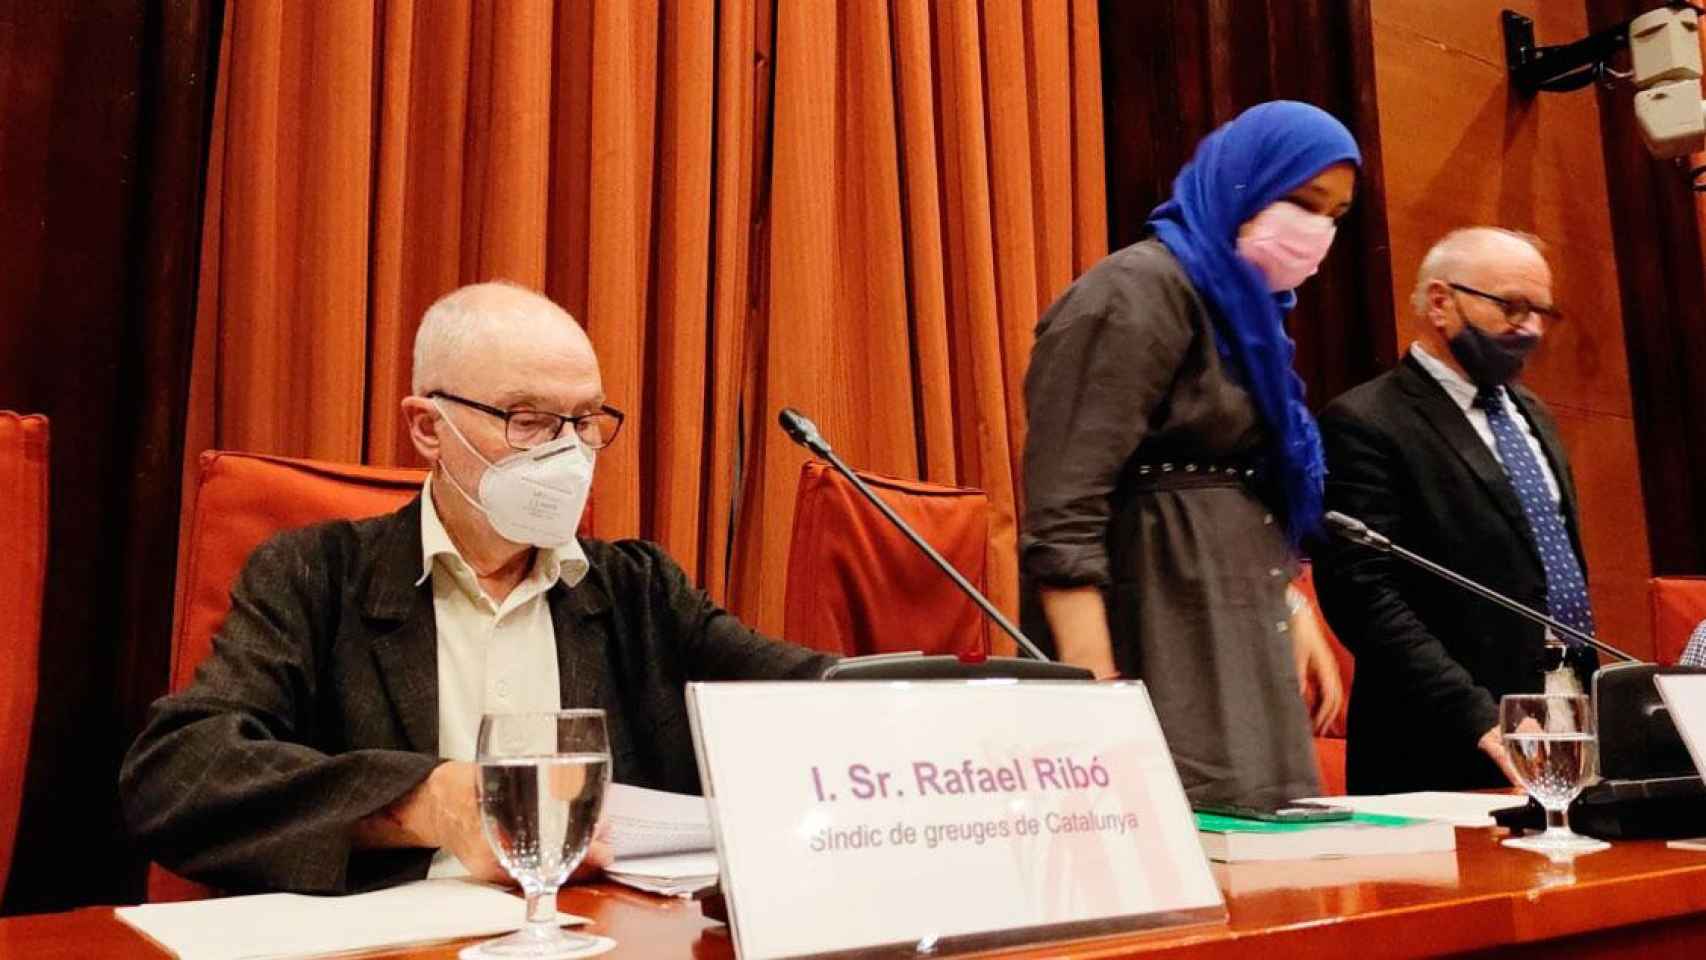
<point x="1179" y="474"/>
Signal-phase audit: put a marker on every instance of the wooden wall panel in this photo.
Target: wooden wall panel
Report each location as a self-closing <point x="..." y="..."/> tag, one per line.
<point x="1460" y="147"/>
<point x="1662" y="277"/>
<point x="1603" y="456"/>
<point x="1460" y="27"/>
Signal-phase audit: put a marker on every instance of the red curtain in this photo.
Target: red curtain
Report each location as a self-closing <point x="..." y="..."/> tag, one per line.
<point x="857" y="209"/>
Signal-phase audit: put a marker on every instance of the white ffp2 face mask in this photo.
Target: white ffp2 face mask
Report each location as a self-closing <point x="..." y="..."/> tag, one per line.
<point x="533" y="496"/>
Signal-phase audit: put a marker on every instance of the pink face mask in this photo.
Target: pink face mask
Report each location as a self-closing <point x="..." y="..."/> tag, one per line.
<point x="1287" y="243"/>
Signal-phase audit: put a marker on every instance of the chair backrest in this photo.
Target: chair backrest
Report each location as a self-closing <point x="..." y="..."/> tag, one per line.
<point x="240" y="500"/>
<point x="1679" y="604"/>
<point x="23" y="530"/>
<point x="856" y="585"/>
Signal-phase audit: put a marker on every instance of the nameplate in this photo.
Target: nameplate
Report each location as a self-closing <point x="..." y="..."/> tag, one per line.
<point x="944" y="815"/>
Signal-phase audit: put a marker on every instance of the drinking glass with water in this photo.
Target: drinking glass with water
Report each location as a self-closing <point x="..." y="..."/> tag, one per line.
<point x="1553" y="746"/>
<point x="541" y="786"/>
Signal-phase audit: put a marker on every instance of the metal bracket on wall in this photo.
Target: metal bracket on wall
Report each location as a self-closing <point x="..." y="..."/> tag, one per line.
<point x="1570" y="66"/>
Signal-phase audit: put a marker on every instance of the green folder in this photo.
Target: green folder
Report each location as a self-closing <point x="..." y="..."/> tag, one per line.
<point x="1215" y="823"/>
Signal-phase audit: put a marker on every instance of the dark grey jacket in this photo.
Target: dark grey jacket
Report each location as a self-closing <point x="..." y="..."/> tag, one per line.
<point x="1125" y="384"/>
<point x="319" y="705"/>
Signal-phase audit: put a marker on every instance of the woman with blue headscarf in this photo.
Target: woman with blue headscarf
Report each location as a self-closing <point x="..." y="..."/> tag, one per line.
<point x="1171" y="466"/>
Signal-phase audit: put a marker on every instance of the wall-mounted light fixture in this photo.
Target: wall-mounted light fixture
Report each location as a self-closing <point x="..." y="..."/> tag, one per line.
<point x="1664" y="57"/>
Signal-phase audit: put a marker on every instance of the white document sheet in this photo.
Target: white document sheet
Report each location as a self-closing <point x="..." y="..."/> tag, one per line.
<point x="1457" y="809"/>
<point x="284" y="926"/>
<point x="672" y="874"/>
<point x="646" y="823"/>
<point x="1686" y="698"/>
<point x="662" y="840"/>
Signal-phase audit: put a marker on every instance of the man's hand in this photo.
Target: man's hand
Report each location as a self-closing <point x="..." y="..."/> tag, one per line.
<point x="1493" y="745"/>
<point x="444" y="811"/>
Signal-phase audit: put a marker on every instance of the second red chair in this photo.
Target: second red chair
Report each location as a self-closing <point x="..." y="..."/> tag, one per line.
<point x="240" y="500"/>
<point x="23" y="529"/>
<point x="856" y="585"/>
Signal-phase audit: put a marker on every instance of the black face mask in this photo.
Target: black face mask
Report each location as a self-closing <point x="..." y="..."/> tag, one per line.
<point x="1491" y="361"/>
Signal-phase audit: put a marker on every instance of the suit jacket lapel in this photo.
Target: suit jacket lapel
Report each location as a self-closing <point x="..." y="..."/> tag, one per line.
<point x="405" y="630"/>
<point x="1447" y="418"/>
<point x="590" y="673"/>
<point x="582" y="632"/>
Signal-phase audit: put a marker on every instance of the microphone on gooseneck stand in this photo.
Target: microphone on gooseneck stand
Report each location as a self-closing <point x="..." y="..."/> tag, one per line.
<point x="805" y="433"/>
<point x="1354" y="530"/>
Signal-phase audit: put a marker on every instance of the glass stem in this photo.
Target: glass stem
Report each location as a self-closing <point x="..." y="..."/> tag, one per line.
<point x="541" y="912"/>
<point x="1557" y="821"/>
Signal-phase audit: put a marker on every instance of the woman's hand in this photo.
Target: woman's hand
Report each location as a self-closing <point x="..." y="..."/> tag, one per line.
<point x="1317" y="669"/>
<point x="1078" y="618"/>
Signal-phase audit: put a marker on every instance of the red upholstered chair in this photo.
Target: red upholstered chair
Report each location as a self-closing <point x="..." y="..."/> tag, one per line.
<point x="1679" y="604"/>
<point x="856" y="585"/>
<point x="1330" y="749"/>
<point x="23" y="530"/>
<point x="240" y="500"/>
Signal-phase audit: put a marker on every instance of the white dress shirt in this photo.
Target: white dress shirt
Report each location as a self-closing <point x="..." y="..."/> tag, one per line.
<point x="1463" y="393"/>
<point x="492" y="657"/>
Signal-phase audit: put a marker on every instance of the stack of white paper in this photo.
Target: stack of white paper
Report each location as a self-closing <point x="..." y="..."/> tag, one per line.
<point x="284" y="926"/>
<point x="672" y="874"/>
<point x="662" y="840"/>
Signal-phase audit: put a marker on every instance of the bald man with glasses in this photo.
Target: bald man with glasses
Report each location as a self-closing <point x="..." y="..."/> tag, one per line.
<point x="327" y="744"/>
<point x="1448" y="456"/>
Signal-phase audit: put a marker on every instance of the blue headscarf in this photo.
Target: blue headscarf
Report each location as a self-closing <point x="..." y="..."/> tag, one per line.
<point x="1263" y="154"/>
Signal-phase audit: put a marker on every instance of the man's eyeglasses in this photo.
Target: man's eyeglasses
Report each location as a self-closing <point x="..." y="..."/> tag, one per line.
<point x="1516" y="309"/>
<point x="525" y="429"/>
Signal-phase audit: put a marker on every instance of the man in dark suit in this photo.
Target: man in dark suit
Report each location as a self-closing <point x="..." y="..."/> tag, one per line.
<point x="1447" y="456"/>
<point x="326" y="745"/>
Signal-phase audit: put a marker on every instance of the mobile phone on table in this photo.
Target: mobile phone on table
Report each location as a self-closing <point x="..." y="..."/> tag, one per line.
<point x="1297" y="811"/>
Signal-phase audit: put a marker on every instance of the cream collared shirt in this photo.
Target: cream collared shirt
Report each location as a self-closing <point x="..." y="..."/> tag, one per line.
<point x="1462" y="392"/>
<point x="492" y="657"/>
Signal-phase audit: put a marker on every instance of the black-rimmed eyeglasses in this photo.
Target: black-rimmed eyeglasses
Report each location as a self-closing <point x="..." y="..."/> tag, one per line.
<point x="1516" y="309"/>
<point x="525" y="429"/>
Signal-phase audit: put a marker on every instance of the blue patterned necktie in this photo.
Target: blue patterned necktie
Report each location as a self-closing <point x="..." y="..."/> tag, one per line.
<point x="1566" y="589"/>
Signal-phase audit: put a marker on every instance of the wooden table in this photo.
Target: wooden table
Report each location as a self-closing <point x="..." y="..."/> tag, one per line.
<point x="1638" y="898"/>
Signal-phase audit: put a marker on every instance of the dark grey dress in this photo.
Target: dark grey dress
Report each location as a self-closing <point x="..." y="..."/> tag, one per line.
<point x="1135" y="481"/>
